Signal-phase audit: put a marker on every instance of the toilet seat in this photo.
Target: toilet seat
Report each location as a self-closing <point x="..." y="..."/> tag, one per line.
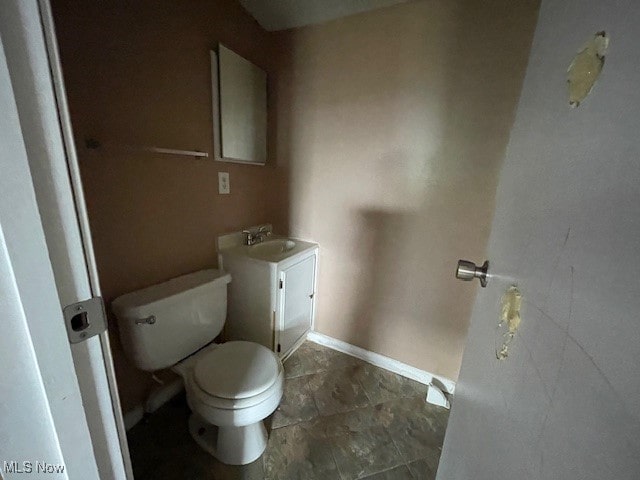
<point x="236" y="371"/>
<point x="209" y="400"/>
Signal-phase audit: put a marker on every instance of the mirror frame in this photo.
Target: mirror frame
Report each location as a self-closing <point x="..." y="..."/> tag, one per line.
<point x="217" y="121"/>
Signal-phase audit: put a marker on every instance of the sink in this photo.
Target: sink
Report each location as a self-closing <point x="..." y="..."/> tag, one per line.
<point x="272" y="248"/>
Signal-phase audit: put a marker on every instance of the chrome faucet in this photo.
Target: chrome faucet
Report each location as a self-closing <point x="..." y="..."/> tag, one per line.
<point x="256" y="237"/>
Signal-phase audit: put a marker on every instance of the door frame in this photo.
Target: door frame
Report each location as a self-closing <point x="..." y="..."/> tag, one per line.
<point x="33" y="61"/>
<point x="40" y="402"/>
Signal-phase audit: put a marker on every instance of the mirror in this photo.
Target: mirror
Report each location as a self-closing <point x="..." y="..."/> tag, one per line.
<point x="239" y="108"/>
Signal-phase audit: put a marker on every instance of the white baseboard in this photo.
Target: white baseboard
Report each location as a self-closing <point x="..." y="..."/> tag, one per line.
<point x="158" y="397"/>
<point x="436" y="396"/>
<point x="381" y="361"/>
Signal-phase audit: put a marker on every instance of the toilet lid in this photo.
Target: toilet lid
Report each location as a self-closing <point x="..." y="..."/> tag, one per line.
<point x="237" y="370"/>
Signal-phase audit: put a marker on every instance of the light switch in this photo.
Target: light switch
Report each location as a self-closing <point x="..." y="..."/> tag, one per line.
<point x="223" y="183"/>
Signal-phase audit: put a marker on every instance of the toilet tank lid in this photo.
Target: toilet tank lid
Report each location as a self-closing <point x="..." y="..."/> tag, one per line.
<point x="167" y="289"/>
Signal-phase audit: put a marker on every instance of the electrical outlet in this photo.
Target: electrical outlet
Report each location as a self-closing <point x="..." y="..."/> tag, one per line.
<point x="224" y="186"/>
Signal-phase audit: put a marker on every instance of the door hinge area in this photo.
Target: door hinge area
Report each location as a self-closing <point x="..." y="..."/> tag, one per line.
<point x="279" y="348"/>
<point x="281" y="283"/>
<point x="85" y="319"/>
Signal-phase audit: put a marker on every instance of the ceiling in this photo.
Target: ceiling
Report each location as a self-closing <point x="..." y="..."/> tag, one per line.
<point x="283" y="14"/>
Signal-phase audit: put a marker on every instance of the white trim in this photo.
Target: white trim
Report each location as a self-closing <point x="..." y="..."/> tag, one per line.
<point x="381" y="361"/>
<point x="436" y="396"/>
<point x="60" y="196"/>
<point x="40" y="402"/>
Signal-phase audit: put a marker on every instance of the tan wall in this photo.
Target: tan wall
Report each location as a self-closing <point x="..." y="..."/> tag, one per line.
<point x="138" y="73"/>
<point x="394" y="124"/>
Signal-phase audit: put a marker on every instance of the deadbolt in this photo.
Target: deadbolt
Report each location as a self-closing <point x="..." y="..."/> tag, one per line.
<point x="467" y="271"/>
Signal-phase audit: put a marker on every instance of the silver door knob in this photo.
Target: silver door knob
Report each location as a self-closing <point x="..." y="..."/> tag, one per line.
<point x="467" y="271"/>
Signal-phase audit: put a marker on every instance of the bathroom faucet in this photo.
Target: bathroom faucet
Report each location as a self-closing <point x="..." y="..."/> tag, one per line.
<point x="257" y="237"/>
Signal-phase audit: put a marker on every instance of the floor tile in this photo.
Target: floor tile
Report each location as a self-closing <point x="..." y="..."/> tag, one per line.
<point x="417" y="427"/>
<point x="340" y="418"/>
<point x="299" y="363"/>
<point x="331" y="360"/>
<point x="297" y="451"/>
<point x="358" y="454"/>
<point x="297" y="404"/>
<point x="312" y="358"/>
<point x="334" y="392"/>
<point x="355" y="421"/>
<point x="382" y="385"/>
<point x="426" y="468"/>
<point x="397" y="473"/>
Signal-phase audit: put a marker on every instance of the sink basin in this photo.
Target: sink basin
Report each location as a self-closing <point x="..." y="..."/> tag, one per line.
<point x="274" y="249"/>
<point x="270" y="248"/>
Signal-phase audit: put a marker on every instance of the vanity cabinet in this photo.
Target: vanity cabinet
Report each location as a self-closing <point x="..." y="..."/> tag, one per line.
<point x="271" y="302"/>
<point x="295" y="299"/>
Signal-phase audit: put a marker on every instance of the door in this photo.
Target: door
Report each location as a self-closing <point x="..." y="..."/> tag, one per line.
<point x="296" y="302"/>
<point x="29" y="42"/>
<point x="43" y="419"/>
<point x="564" y="404"/>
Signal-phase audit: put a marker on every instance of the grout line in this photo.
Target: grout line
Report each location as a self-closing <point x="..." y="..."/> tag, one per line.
<point x="404" y="460"/>
<point x="306" y="385"/>
<point x="333" y="457"/>
<point x="313" y="397"/>
<point x="401" y="464"/>
<point x="366" y="394"/>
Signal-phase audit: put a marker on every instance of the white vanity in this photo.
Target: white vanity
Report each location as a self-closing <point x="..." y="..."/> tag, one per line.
<point x="272" y="291"/>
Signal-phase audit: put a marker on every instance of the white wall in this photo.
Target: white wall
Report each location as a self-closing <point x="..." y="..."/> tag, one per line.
<point x="565" y="403"/>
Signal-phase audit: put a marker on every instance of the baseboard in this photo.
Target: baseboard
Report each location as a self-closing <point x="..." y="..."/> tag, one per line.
<point x="158" y="397"/>
<point x="381" y="361"/>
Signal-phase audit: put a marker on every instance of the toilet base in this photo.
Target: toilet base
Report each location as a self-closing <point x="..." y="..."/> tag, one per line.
<point x="230" y="445"/>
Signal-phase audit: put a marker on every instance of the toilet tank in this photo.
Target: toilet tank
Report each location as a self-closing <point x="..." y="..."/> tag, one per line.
<point x="162" y="324"/>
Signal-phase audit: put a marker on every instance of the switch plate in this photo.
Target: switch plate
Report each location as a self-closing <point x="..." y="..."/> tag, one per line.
<point x="223" y="183"/>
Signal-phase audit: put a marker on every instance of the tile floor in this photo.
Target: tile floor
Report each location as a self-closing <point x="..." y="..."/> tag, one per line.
<point x="340" y="418"/>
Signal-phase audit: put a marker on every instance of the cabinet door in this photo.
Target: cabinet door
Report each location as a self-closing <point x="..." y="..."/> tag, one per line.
<point x="296" y="299"/>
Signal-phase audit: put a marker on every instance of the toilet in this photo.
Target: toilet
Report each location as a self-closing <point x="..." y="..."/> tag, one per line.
<point x="231" y="387"/>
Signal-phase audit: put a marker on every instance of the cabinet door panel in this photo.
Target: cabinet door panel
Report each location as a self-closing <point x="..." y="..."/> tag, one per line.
<point x="297" y="302"/>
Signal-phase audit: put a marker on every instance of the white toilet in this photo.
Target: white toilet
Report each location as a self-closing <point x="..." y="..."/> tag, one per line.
<point x="231" y="387"/>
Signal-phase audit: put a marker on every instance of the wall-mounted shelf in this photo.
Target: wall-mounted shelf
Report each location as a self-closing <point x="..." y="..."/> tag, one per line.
<point x="93" y="144"/>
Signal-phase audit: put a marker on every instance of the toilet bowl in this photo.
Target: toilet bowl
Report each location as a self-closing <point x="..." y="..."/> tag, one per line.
<point x="231" y="387"/>
<point x="230" y="399"/>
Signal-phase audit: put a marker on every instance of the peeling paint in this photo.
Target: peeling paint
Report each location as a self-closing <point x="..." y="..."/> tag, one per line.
<point x="586" y="67"/>
<point x="509" y="321"/>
